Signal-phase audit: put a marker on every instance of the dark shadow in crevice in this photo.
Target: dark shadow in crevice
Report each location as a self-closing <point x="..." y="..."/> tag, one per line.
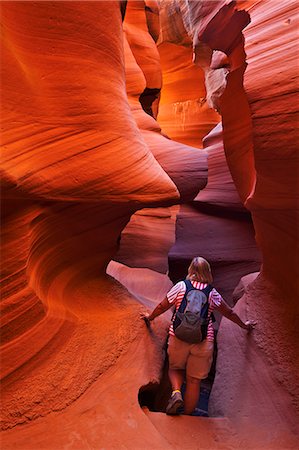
<point x="221" y="211"/>
<point x="123" y="8"/>
<point x="154" y="396"/>
<point x="147" y="98"/>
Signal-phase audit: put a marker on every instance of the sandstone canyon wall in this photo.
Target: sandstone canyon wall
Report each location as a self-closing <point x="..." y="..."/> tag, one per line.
<point x="103" y="125"/>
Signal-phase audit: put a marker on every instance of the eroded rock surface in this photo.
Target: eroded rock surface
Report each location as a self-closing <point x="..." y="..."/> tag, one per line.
<point x="82" y="152"/>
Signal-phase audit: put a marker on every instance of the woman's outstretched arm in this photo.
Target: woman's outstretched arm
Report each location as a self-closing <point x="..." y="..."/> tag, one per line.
<point x="160" y="309"/>
<point x="229" y="313"/>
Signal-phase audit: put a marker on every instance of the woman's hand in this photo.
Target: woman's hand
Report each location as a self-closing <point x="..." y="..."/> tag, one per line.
<point x="160" y="309"/>
<point x="250" y="324"/>
<point x="145" y="317"/>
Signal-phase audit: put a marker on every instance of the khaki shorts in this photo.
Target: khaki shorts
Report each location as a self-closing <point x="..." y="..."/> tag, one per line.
<point x="196" y="359"/>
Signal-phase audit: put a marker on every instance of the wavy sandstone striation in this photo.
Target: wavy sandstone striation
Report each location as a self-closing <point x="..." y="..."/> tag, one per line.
<point x="146" y="240"/>
<point x="70" y="184"/>
<point x="184" y="113"/>
<point x="82" y="182"/>
<point x="140" y="75"/>
<point x="82" y="152"/>
<point x="60" y="100"/>
<point x="273" y="202"/>
<point x="254" y="153"/>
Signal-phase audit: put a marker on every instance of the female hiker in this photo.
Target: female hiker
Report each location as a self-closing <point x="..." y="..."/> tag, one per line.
<point x="191" y="334"/>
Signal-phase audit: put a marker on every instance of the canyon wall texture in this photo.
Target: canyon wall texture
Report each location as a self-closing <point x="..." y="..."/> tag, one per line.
<point x="77" y="161"/>
<point x="113" y="155"/>
<point x="273" y="201"/>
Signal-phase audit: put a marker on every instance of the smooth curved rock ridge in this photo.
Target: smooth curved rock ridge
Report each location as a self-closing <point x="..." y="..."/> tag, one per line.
<point x="272" y="99"/>
<point x="220" y="191"/>
<point x="135" y="280"/>
<point x="143" y="43"/>
<point x="54" y="298"/>
<point x="69" y="110"/>
<point x="84" y="339"/>
<point x="175" y="158"/>
<point x="20" y="308"/>
<point x="223" y="33"/>
<point x="66" y="211"/>
<point x="184" y="113"/>
<point x="147" y="239"/>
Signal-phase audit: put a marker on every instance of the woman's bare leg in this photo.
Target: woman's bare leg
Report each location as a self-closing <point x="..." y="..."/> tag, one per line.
<point x="191" y="394"/>
<point x="176" y="377"/>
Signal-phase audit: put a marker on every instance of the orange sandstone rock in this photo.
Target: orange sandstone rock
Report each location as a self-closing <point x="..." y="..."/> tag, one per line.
<point x="81" y="156"/>
<point x="63" y="88"/>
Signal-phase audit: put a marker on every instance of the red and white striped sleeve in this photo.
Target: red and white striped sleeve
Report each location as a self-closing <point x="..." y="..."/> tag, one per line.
<point x="215" y="299"/>
<point x="178" y="289"/>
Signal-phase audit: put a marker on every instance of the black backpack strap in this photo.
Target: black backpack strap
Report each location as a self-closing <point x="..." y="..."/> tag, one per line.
<point x="188" y="285"/>
<point x="206" y="291"/>
<point x="184" y="300"/>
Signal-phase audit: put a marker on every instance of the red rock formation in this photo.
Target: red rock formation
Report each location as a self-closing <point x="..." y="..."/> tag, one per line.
<point x="220" y="191"/>
<point x="184" y="113"/>
<point x="89" y="91"/>
<point x="82" y="182"/>
<point x="173" y="157"/>
<point x="76" y="167"/>
<point x="60" y="158"/>
<point x="150" y="234"/>
<point x="214" y="210"/>
<point x="147" y="239"/>
<point x="259" y="163"/>
<point x="273" y="105"/>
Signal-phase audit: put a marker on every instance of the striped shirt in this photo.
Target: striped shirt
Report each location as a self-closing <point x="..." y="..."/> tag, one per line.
<point x="176" y="295"/>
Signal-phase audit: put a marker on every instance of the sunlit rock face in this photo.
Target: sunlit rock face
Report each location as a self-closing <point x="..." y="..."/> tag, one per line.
<point x="274" y="110"/>
<point x="80" y="157"/>
<point x="216" y="226"/>
<point x="184" y="112"/>
<point x="220" y="192"/>
<point x="146" y="240"/>
<point x="256" y="152"/>
<point x="75" y="168"/>
<point x="82" y="153"/>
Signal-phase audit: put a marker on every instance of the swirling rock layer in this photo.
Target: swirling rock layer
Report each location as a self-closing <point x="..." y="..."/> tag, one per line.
<point x="82" y="152"/>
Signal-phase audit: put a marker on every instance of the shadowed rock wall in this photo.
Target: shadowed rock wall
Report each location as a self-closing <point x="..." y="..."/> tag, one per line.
<point x="254" y="151"/>
<point x="62" y="159"/>
<point x="81" y="156"/>
<point x="272" y="198"/>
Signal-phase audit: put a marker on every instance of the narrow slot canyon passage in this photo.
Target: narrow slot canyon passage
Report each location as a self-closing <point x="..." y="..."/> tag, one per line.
<point x="225" y="238"/>
<point x="155" y="396"/>
<point x="135" y="136"/>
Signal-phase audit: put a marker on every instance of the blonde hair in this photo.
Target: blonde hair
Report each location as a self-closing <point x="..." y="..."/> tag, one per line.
<point x="200" y="270"/>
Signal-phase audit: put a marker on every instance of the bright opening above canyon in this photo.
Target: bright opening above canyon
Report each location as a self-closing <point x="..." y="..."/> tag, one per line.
<point x="136" y="135"/>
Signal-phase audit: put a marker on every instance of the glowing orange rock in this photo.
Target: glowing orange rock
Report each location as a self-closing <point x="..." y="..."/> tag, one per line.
<point x="60" y="101"/>
<point x="80" y="157"/>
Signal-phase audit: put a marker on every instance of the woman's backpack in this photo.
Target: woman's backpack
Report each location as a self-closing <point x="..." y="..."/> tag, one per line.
<point x="190" y="322"/>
